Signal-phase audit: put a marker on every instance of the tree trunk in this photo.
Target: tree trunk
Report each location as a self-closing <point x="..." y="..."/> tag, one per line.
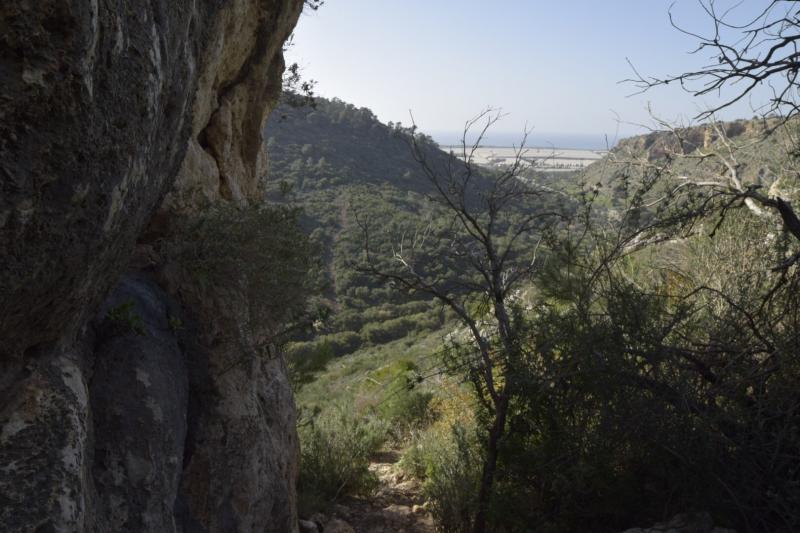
<point x="490" y="464"/>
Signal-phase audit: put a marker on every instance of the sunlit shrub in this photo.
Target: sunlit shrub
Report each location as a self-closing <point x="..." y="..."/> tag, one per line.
<point x="335" y="448"/>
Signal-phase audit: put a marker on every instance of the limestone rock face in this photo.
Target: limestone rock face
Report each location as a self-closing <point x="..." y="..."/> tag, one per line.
<point x="95" y="110"/>
<point x="241" y="449"/>
<point x="239" y="84"/>
<point x="120" y="403"/>
<point x="46" y="447"/>
<point x="241" y="459"/>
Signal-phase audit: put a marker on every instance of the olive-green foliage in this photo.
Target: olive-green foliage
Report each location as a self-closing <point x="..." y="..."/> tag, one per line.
<point x="404" y="405"/>
<point x="450" y="465"/>
<point x="338" y="143"/>
<point x="307" y="358"/>
<point x="125" y="317"/>
<point x="366" y="377"/>
<point x="662" y="385"/>
<point x="355" y="319"/>
<point x="335" y="448"/>
<point x="363" y="306"/>
<point x="587" y="447"/>
<point x="389" y="330"/>
<point x="259" y="253"/>
<point x="341" y="163"/>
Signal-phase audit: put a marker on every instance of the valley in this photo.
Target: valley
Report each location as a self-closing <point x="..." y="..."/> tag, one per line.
<point x="375" y="375"/>
<point x="237" y="297"/>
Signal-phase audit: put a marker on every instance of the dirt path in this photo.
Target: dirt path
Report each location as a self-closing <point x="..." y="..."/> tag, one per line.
<point x="396" y="506"/>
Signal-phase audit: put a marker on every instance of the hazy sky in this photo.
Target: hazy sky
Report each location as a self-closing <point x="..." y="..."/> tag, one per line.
<point x="553" y="64"/>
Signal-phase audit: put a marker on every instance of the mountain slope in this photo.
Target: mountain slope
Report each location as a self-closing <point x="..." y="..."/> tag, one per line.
<point x="337" y="143"/>
<point x="347" y="169"/>
<point x="344" y="166"/>
<point x="758" y="147"/>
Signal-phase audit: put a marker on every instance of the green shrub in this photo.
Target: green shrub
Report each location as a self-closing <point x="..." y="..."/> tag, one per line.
<point x="260" y="254"/>
<point x="421" y="452"/>
<point x="126" y="319"/>
<point x="405" y="407"/>
<point x="383" y="332"/>
<point x="344" y="342"/>
<point x="396" y="328"/>
<point x="451" y="465"/>
<point x="308" y="358"/>
<point x="335" y="447"/>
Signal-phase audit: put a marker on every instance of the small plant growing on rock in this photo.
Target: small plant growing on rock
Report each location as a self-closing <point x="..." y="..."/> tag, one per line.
<point x="126" y="318"/>
<point x="175" y="323"/>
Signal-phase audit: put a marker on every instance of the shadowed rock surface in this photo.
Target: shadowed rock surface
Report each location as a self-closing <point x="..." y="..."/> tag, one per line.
<point x="115" y="413"/>
<point x="139" y="394"/>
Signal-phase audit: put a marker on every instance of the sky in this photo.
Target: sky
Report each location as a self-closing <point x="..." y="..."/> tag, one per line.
<point x="551" y="65"/>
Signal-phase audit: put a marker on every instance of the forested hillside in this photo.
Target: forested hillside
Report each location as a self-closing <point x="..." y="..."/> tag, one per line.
<point x="636" y="351"/>
<point x="339" y="162"/>
<point x="344" y="166"/>
<point x="374" y="351"/>
<point x="335" y="143"/>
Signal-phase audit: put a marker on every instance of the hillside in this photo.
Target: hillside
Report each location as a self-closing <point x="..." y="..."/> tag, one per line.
<point x="374" y="353"/>
<point x="343" y="166"/>
<point x="759" y="158"/>
<point x="370" y="342"/>
<point x="335" y="143"/>
<point x="339" y="162"/>
<point x="372" y="378"/>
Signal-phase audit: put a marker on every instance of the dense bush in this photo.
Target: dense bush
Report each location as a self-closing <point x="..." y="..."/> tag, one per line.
<point x="452" y="482"/>
<point x="640" y="400"/>
<point x="404" y="406"/>
<point x="259" y="254"/>
<point x="337" y="344"/>
<point x="389" y="330"/>
<point x="335" y="448"/>
<point x="256" y="263"/>
<point x="448" y="460"/>
<point x="445" y="455"/>
<point x="307" y="358"/>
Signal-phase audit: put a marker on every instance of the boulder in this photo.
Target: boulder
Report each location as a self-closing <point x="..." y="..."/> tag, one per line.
<point x="307" y="526"/>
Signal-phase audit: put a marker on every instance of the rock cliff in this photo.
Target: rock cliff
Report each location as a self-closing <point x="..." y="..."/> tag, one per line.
<point x="120" y="407"/>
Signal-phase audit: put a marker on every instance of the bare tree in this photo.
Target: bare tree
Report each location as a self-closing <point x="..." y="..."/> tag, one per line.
<point x="744" y="55"/>
<point x="715" y="185"/>
<point x="488" y="223"/>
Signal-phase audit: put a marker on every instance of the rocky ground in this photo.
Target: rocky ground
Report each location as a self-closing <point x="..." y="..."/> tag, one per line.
<point x="396" y="507"/>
